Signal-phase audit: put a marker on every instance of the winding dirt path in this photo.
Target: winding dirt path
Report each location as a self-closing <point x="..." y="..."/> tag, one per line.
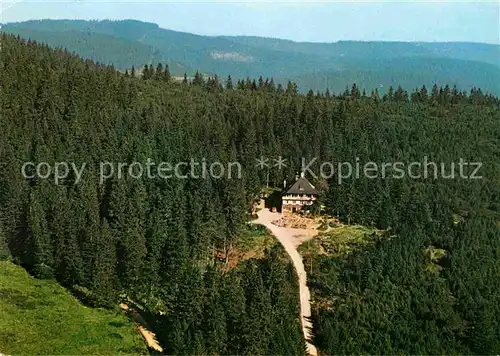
<point x="142" y="326"/>
<point x="288" y="237"/>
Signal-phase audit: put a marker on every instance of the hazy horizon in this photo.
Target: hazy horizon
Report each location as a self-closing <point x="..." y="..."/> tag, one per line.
<point x="315" y="22"/>
<point x="249" y="35"/>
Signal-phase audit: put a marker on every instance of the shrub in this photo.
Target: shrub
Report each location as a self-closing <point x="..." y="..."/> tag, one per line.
<point x="42" y="271"/>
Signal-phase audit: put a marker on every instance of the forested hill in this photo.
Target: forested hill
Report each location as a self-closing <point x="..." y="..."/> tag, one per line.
<point x="157" y="240"/>
<point x="312" y="65"/>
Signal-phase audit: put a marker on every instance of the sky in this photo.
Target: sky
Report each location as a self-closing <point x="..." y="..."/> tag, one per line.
<point x="313" y="21"/>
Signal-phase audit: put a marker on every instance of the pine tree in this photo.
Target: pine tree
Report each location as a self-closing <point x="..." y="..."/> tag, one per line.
<point x="233" y="301"/>
<point x="423" y="94"/>
<point x="257" y="328"/>
<point x="159" y="74"/>
<point x="229" y="83"/>
<point x="166" y="74"/>
<point x="146" y="74"/>
<point x="291" y="88"/>
<point x="68" y="259"/>
<point x="261" y="82"/>
<point x="272" y="86"/>
<point x="127" y="209"/>
<point x="104" y="283"/>
<point x="198" y="80"/>
<point x="401" y="95"/>
<point x="390" y="94"/>
<point x="214" y="319"/>
<point x="5" y="254"/>
<point x="40" y="251"/>
<point x="434" y="99"/>
<point x="355" y="91"/>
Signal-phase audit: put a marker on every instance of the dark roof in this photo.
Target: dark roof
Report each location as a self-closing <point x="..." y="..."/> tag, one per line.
<point x="302" y="186"/>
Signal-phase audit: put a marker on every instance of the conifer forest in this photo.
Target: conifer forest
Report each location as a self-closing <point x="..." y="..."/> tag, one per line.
<point x="427" y="283"/>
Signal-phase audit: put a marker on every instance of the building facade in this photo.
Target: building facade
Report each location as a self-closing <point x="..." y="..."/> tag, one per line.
<point x="300" y="195"/>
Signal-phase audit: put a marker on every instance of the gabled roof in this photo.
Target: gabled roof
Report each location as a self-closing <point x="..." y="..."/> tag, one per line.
<point x="302" y="186"/>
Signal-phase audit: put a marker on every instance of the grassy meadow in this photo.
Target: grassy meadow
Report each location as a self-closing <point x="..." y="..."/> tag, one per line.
<point x="41" y="317"/>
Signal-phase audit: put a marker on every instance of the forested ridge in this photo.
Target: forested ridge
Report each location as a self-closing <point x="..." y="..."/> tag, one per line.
<point x="156" y="241"/>
<point x="125" y="43"/>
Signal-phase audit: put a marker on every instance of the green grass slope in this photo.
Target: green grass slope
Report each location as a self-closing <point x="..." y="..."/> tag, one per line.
<point x="41" y="317"/>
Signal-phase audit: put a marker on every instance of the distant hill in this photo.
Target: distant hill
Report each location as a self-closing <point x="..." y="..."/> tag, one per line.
<point x="480" y="52"/>
<point x="406" y="72"/>
<point x="311" y="65"/>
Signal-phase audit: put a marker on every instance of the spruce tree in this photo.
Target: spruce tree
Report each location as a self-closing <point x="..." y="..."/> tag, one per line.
<point x="166" y="74"/>
<point x="229" y="83"/>
<point x="159" y="74"/>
